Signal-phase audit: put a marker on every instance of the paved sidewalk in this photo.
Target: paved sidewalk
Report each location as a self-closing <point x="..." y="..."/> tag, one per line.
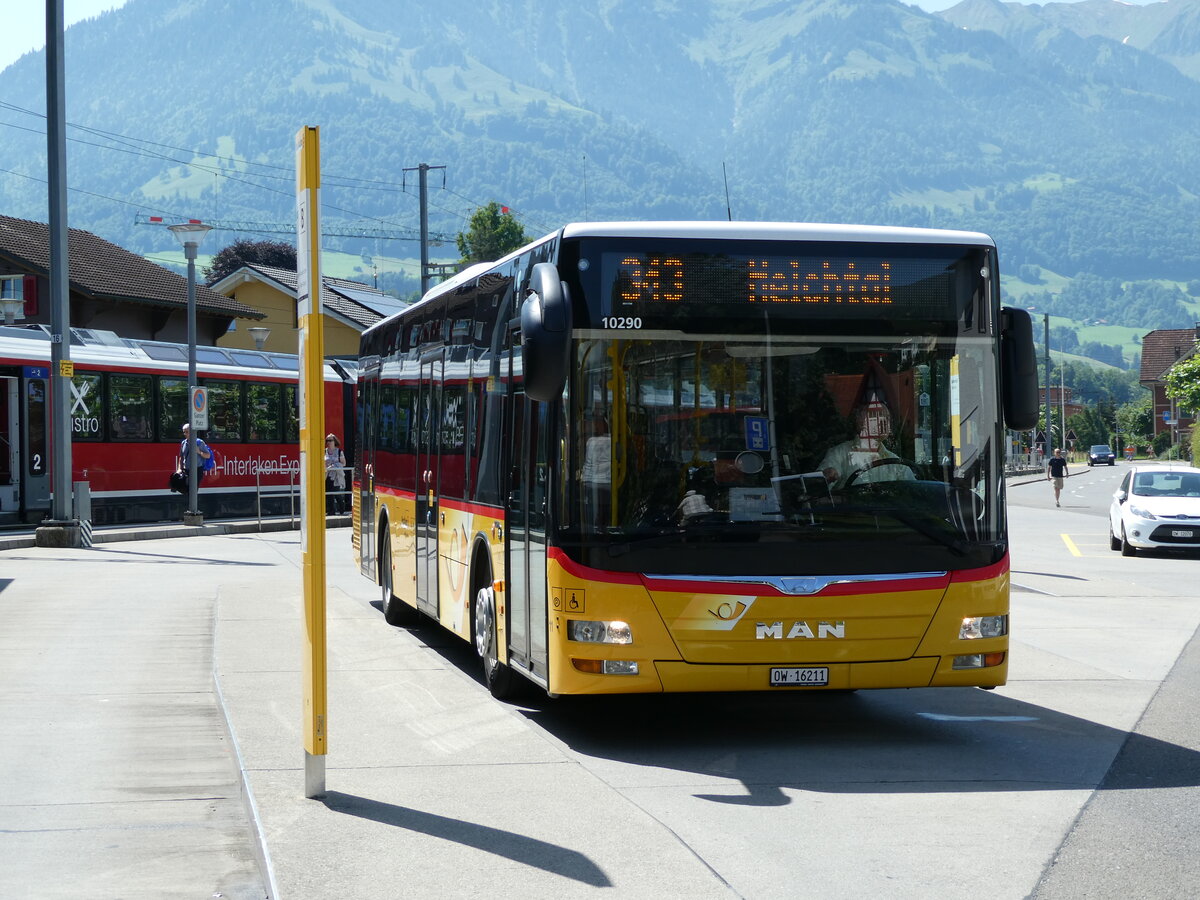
<point x="121" y="780"/>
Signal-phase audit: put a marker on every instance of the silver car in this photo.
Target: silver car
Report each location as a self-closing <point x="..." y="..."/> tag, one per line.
<point x="1157" y="507"/>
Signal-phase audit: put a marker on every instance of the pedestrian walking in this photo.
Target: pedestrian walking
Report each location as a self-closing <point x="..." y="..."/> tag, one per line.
<point x="1056" y="471"/>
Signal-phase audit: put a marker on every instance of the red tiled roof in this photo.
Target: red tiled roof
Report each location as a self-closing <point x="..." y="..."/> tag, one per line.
<point x="1159" y="351"/>
<point x="103" y="271"/>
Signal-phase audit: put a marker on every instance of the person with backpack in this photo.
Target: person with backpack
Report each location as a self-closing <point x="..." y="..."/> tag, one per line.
<point x="205" y="462"/>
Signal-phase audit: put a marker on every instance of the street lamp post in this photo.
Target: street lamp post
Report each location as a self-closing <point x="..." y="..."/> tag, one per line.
<point x="189" y="236"/>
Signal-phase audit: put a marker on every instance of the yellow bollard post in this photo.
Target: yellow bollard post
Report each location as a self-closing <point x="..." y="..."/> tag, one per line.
<point x="312" y="449"/>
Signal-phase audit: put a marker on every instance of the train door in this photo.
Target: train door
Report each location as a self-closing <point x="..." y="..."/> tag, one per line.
<point x="10" y="447"/>
<point x="35" y="441"/>
<point x="367" y="410"/>
<point x="528" y="504"/>
<point x="429" y="408"/>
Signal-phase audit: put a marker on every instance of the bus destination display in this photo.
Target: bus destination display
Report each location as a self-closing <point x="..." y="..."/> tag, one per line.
<point x="652" y="278"/>
<point x="647" y="283"/>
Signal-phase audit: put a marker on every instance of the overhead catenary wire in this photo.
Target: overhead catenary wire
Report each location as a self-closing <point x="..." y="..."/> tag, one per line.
<point x="330" y="179"/>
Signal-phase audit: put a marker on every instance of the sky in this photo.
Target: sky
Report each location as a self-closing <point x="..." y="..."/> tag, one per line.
<point x="25" y="23"/>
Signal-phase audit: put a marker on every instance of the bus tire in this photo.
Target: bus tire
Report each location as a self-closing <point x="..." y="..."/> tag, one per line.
<point x="501" y="681"/>
<point x="395" y="611"/>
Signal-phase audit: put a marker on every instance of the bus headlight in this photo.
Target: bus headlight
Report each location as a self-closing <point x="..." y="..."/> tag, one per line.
<point x="591" y="632"/>
<point x="983" y="627"/>
<point x="606" y="666"/>
<point x="977" y="661"/>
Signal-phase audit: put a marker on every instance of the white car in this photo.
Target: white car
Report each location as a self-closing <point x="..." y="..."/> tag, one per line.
<point x="1157" y="507"/>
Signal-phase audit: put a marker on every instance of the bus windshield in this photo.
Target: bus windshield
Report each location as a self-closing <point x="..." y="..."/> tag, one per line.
<point x="785" y="442"/>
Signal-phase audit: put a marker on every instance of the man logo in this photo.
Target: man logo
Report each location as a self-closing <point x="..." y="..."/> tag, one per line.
<point x="763" y="631"/>
<point x="730" y="612"/>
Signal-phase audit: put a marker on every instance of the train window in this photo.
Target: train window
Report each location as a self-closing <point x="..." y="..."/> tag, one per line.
<point x="263" y="402"/>
<point x="130" y="407"/>
<point x="224" y="410"/>
<point x="86" y="402"/>
<point x="291" y="414"/>
<point x="172" y="407"/>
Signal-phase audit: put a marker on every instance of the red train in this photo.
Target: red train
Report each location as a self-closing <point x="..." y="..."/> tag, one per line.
<point x="128" y="401"/>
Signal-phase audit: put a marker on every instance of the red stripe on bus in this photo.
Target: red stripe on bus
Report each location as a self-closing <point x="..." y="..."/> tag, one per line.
<point x="761" y="589"/>
<point x="752" y="588"/>
<point x="580" y="571"/>
<point x="987" y="573"/>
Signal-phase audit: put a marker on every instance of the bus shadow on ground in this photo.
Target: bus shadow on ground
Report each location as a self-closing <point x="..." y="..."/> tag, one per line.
<point x="920" y="740"/>
<point x="931" y="740"/>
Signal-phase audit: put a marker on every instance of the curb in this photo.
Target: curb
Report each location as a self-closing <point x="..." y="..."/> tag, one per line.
<point x="262" y="854"/>
<point x="162" y="530"/>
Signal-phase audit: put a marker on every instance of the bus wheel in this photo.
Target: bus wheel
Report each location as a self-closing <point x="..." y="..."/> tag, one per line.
<point x="498" y="677"/>
<point x="395" y="610"/>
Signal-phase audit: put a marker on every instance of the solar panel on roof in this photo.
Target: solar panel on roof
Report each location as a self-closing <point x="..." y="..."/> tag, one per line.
<point x="212" y="355"/>
<point x="250" y="359"/>
<point x="381" y="303"/>
<point x="164" y="352"/>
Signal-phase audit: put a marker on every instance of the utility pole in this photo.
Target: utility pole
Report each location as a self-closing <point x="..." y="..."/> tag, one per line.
<point x="61" y="529"/>
<point x="423" y="171"/>
<point x="1049" y="428"/>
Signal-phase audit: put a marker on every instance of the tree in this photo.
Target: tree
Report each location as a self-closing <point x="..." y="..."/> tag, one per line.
<point x="278" y="254"/>
<point x="1183" y="383"/>
<point x="492" y="233"/>
<point x="1136" y="421"/>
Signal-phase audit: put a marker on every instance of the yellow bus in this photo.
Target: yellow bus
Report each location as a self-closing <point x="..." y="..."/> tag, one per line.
<point x="702" y="456"/>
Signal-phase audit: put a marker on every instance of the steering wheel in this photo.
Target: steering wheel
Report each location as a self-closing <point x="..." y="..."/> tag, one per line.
<point x="885" y="461"/>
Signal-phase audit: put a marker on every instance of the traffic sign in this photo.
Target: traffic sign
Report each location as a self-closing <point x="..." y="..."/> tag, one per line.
<point x="199" y="409"/>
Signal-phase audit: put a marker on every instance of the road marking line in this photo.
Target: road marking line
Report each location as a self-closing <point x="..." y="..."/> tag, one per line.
<point x="1070" y="545"/>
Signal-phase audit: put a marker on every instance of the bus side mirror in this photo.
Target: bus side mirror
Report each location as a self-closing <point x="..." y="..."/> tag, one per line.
<point x="545" y="334"/>
<point x="1018" y="369"/>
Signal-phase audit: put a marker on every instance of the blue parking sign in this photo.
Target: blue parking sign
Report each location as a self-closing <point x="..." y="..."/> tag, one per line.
<point x="758" y="437"/>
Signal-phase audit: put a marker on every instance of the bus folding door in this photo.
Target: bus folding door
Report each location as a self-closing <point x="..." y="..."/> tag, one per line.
<point x="528" y="508"/>
<point x="429" y="417"/>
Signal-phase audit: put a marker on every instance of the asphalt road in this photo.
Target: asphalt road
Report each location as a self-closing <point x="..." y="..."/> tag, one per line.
<point x="1136" y="834"/>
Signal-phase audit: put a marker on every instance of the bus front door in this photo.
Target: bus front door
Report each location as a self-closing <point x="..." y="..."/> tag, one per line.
<point x="429" y="404"/>
<point x="528" y="506"/>
<point x="368" y="413"/>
